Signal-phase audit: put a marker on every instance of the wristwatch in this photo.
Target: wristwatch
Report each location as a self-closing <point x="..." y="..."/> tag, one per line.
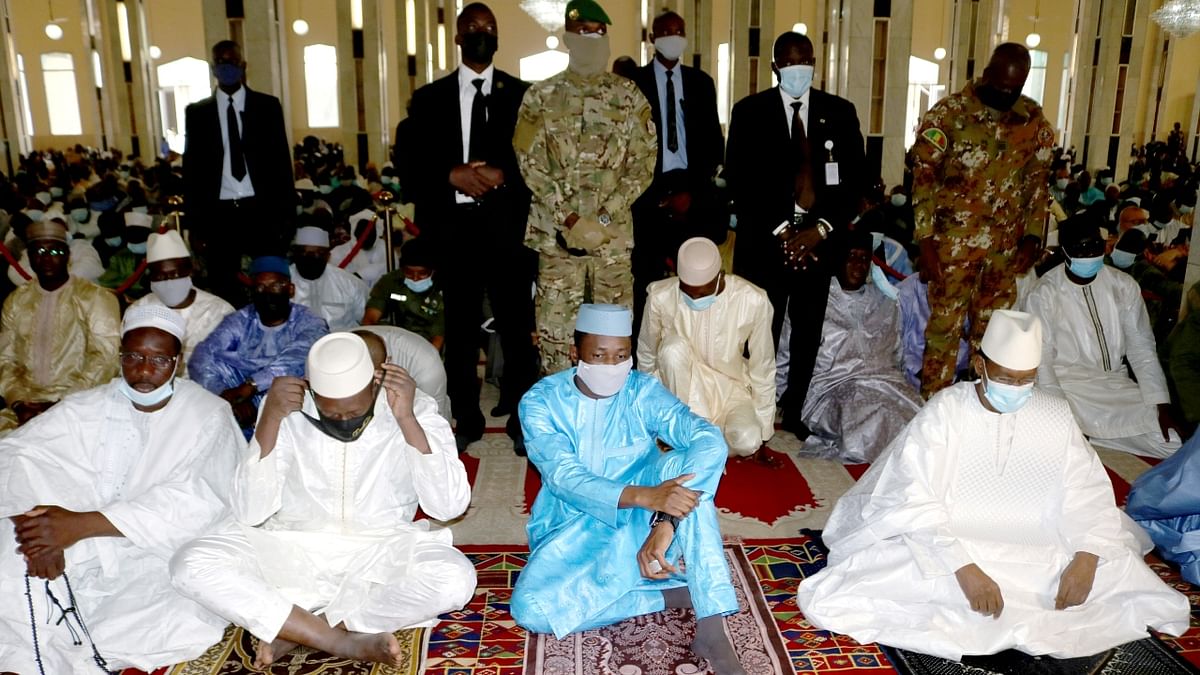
<point x="660" y="517"/>
<point x="605" y="219"/>
<point x="824" y="228"/>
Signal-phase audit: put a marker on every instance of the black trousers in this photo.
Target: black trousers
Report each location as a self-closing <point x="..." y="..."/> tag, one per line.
<point x="229" y="229"/>
<point x="477" y="262"/>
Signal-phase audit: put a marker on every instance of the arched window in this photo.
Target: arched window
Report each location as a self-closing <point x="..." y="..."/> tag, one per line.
<point x="180" y="82"/>
<point x="62" y="98"/>
<point x="321" y="85"/>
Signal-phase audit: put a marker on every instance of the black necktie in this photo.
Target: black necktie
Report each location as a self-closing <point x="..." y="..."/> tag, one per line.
<point x="237" y="161"/>
<point x="478" y="122"/>
<point x="672" y="132"/>
<point x="805" y="195"/>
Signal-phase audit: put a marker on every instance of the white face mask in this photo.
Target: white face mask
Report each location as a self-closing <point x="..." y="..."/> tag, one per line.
<point x="604" y="380"/>
<point x="670" y="46"/>
<point x="148" y="398"/>
<point x="172" y="292"/>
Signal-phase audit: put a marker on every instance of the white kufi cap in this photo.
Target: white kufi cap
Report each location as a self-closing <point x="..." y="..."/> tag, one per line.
<point x="698" y="261"/>
<point x="339" y="365"/>
<point x="1013" y="340"/>
<point x="165" y="246"/>
<point x="311" y="236"/>
<point x="154" y="316"/>
<point x="135" y="219"/>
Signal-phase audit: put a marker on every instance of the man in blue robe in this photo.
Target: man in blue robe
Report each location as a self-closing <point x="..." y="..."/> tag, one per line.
<point x="263" y="340"/>
<point x="1165" y="501"/>
<point x="616" y="516"/>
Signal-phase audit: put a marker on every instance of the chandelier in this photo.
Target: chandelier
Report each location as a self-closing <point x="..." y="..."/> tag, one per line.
<point x="1180" y="18"/>
<point x="548" y="13"/>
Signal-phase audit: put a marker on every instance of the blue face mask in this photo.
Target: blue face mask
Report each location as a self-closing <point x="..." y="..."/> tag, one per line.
<point x="419" y="286"/>
<point x="113" y="241"/>
<point x="149" y="398"/>
<point x="698" y="304"/>
<point x="1006" y="398"/>
<point x="1123" y="259"/>
<point x="104" y="204"/>
<point x="228" y="74"/>
<point x="795" y="80"/>
<point x="879" y="278"/>
<point x="136" y="249"/>
<point x="79" y="215"/>
<point x="1086" y="268"/>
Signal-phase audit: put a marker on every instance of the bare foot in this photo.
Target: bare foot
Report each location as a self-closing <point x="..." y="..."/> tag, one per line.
<point x="271" y="652"/>
<point x="380" y="648"/>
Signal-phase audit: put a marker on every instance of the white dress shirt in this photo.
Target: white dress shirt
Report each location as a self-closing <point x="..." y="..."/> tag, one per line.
<point x="677" y="159"/>
<point x="466" y="98"/>
<point x="232" y="188"/>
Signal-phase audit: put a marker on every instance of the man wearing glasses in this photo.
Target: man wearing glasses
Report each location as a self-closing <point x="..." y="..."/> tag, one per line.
<point x="268" y="338"/>
<point x="57" y="336"/>
<point x="95" y="496"/>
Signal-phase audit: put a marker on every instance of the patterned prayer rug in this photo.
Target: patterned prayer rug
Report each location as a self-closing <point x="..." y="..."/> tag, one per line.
<point x="1143" y="656"/>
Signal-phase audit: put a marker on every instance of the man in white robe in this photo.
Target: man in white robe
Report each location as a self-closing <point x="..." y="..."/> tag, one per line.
<point x="695" y="336"/>
<point x="169" y="269"/>
<point x="329" y="291"/>
<point x="858" y="399"/>
<point x="100" y="491"/>
<point x="370" y="263"/>
<point x="325" y="552"/>
<point x="414" y="354"/>
<point x="990" y="524"/>
<point x="1094" y="320"/>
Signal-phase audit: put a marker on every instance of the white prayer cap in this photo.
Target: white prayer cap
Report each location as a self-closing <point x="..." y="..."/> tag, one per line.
<point x="339" y="365"/>
<point x="55" y="210"/>
<point x="310" y="235"/>
<point x="306" y="184"/>
<point x="698" y="261"/>
<point x="1013" y="340"/>
<point x="165" y="246"/>
<point x="611" y="320"/>
<point x="44" y="198"/>
<point x="154" y="316"/>
<point x="365" y="214"/>
<point x="135" y="219"/>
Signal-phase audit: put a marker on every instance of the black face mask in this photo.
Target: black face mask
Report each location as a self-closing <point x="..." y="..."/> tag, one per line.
<point x="310" y="267"/>
<point x="479" y="47"/>
<point x="347" y="430"/>
<point x="996" y="99"/>
<point x="271" y="307"/>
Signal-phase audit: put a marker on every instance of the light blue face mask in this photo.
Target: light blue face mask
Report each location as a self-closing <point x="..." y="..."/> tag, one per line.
<point x="1006" y="398"/>
<point x="1123" y="259"/>
<point x="79" y="215"/>
<point x="1086" y="268"/>
<point x="698" y="304"/>
<point x="113" y="241"/>
<point x="795" y="80"/>
<point x="876" y="240"/>
<point x="140" y="209"/>
<point x="136" y="249"/>
<point x="1186" y="209"/>
<point x="419" y="286"/>
<point x="149" y="398"/>
<point x="879" y="278"/>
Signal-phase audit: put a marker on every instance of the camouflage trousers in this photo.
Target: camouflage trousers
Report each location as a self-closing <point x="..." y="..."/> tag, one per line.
<point x="975" y="282"/>
<point x="565" y="283"/>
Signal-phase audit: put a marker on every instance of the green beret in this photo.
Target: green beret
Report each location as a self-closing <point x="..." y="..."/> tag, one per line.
<point x="587" y="10"/>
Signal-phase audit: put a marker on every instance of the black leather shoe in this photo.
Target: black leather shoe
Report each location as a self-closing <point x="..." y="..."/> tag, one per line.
<point x="462" y="440"/>
<point x="501" y="410"/>
<point x="794" y="425"/>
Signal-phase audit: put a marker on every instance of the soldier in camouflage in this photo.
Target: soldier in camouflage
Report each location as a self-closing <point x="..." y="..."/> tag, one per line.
<point x="980" y="181"/>
<point x="586" y="146"/>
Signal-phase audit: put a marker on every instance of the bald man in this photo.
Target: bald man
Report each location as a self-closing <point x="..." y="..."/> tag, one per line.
<point x="980" y="174"/>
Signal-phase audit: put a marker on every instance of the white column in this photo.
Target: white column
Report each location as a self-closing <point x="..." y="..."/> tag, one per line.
<point x="11" y="121"/>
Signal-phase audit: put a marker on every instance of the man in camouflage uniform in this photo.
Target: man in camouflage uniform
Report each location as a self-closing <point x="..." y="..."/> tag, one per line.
<point x="980" y="175"/>
<point x="586" y="145"/>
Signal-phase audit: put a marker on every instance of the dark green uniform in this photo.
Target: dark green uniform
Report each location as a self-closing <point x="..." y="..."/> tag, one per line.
<point x="421" y="313"/>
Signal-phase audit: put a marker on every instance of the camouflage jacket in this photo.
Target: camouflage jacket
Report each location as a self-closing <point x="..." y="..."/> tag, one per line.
<point x="582" y="144"/>
<point x="979" y="176"/>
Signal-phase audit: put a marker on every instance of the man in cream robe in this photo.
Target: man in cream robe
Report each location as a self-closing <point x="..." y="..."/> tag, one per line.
<point x="324" y="551"/>
<point x="329" y="291"/>
<point x="1094" y="319"/>
<point x="990" y="524"/>
<point x="170" y="272"/>
<point x="414" y="354"/>
<point x="58" y="335"/>
<point x="107" y="484"/>
<point x="695" y="333"/>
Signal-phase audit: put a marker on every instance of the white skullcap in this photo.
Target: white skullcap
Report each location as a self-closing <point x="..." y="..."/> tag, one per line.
<point x="44" y="198"/>
<point x="154" y="316"/>
<point x="165" y="246"/>
<point x="698" y="261"/>
<point x="135" y="219"/>
<point x="1013" y="340"/>
<point x="311" y="236"/>
<point x="365" y="214"/>
<point x="339" y="365"/>
<point x="55" y="210"/>
<point x="306" y="184"/>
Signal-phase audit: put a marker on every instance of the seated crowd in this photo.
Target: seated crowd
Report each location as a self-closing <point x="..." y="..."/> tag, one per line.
<point x="204" y="426"/>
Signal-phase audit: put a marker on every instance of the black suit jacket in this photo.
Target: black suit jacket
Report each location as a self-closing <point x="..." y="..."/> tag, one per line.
<point x="435" y="147"/>
<point x="265" y="147"/>
<point x="702" y="129"/>
<point x="761" y="173"/>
